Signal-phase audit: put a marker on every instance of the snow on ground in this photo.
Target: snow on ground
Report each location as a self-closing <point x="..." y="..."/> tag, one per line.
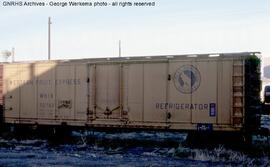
<point x="132" y="149"/>
<point x="265" y="121"/>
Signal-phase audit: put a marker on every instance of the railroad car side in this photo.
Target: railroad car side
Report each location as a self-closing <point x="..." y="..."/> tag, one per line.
<point x="165" y="92"/>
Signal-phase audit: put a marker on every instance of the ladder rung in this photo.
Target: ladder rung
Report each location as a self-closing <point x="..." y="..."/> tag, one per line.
<point x="238" y="116"/>
<point x="238" y="105"/>
<point x="238" y="85"/>
<point x="238" y="75"/>
<point x="238" y="94"/>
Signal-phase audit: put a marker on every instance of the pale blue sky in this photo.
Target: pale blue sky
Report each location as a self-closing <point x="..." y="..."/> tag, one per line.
<point x="171" y="27"/>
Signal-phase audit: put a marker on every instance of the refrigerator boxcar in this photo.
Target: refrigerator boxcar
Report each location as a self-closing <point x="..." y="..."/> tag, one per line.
<point x="185" y="92"/>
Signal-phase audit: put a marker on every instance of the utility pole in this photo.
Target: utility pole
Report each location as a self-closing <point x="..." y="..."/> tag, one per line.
<point x="49" y="38"/>
<point x="13" y="54"/>
<point x="119" y="48"/>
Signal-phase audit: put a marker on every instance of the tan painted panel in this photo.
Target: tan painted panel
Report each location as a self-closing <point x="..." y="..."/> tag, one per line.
<point x="178" y="100"/>
<point x="113" y="90"/>
<point x="142" y="88"/>
<point x="92" y="90"/>
<point x="225" y="92"/>
<point x="155" y="80"/>
<point x="107" y="91"/>
<point x="81" y="92"/>
<point x="135" y="92"/>
<point x="12" y="90"/>
<point x="101" y="88"/>
<point x="124" y="90"/>
<point x="65" y="91"/>
<point x="205" y="97"/>
<point x="28" y="91"/>
<point x="46" y="90"/>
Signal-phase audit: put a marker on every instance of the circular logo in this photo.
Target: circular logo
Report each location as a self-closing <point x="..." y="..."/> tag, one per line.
<point x="187" y="79"/>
